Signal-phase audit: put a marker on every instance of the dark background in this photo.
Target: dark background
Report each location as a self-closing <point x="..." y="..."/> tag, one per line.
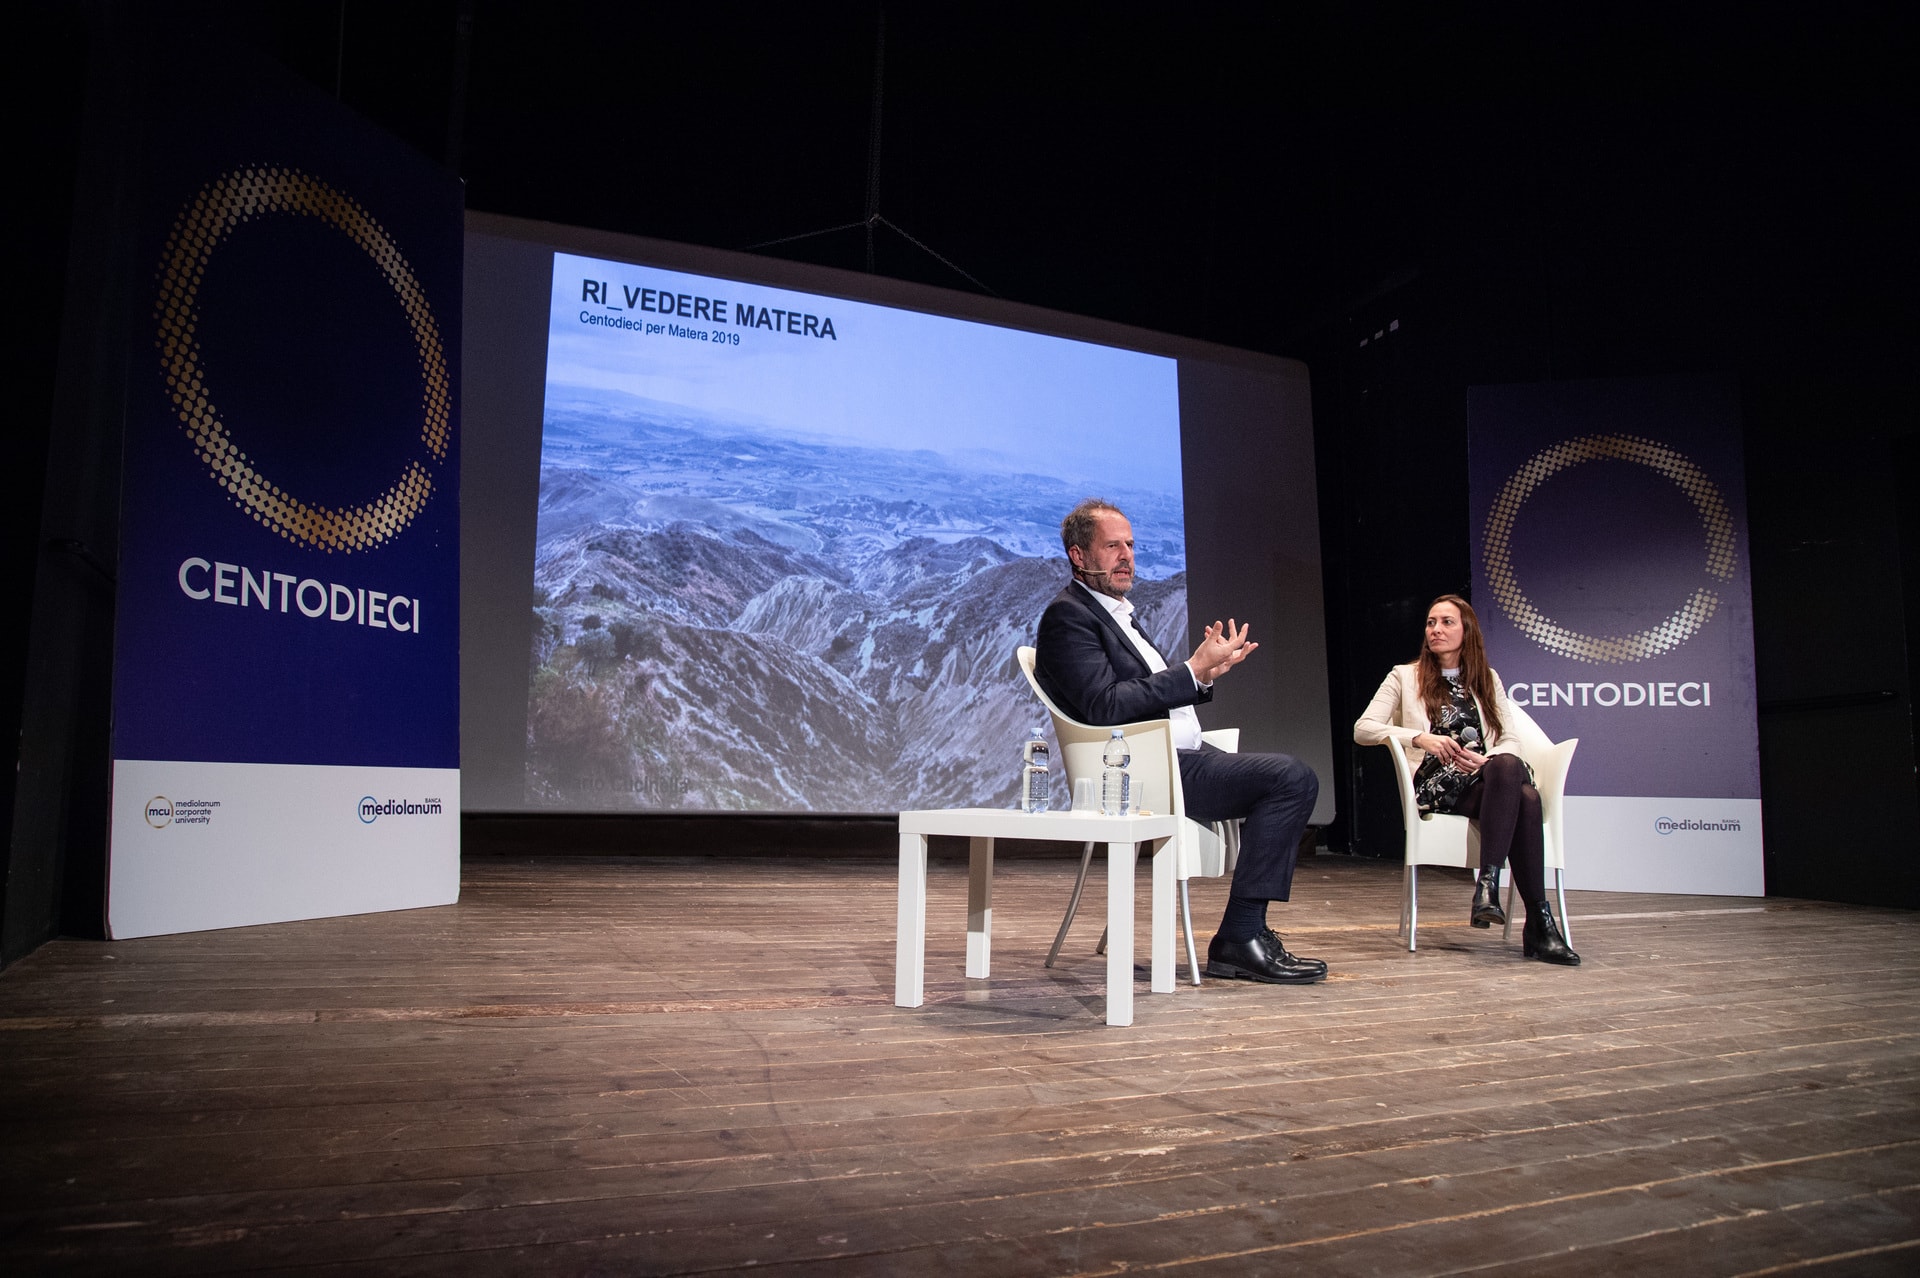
<point x="1531" y="194"/>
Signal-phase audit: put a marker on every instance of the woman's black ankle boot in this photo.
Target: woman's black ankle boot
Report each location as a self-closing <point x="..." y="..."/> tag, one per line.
<point x="1486" y="909"/>
<point x="1541" y="938"/>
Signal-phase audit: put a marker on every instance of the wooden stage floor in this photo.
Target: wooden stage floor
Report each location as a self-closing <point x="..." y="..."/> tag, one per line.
<point x="693" y="1066"/>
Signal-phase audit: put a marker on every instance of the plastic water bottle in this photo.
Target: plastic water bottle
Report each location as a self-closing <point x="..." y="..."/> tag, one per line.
<point x="1036" y="782"/>
<point x="1116" y="783"/>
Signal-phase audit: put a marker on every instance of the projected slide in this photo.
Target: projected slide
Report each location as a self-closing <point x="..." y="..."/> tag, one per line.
<point x="787" y="543"/>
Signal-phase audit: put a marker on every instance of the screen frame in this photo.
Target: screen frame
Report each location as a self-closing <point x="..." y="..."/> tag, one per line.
<point x="1252" y="523"/>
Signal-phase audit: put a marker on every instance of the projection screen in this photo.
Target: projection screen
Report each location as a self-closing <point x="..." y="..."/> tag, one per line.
<point x="748" y="535"/>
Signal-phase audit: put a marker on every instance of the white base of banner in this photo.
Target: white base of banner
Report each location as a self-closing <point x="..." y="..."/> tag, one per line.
<point x="197" y="846"/>
<point x="1698" y="847"/>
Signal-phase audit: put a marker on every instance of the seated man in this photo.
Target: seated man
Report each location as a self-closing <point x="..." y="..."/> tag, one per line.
<point x="1098" y="667"/>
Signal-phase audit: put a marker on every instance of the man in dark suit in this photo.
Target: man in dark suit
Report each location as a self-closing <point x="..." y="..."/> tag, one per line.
<point x="1098" y="667"/>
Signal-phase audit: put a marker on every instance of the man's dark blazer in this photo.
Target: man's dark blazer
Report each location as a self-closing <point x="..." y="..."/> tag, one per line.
<point x="1086" y="663"/>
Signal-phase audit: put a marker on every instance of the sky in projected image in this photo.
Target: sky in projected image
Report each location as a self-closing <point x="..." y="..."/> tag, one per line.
<point x="996" y="397"/>
<point x="787" y="543"/>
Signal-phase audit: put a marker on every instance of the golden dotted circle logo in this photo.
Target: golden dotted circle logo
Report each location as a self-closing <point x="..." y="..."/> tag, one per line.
<point x="1715" y="520"/>
<point x="159" y="812"/>
<point x="203" y="225"/>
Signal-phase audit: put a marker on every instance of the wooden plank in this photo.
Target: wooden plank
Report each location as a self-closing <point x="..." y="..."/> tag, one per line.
<point x="671" y="1066"/>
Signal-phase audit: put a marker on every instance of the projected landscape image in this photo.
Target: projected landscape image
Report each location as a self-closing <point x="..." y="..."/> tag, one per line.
<point x="736" y="613"/>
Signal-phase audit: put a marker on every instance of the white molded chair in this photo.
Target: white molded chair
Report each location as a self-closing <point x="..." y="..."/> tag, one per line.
<point x="1206" y="850"/>
<point x="1445" y="839"/>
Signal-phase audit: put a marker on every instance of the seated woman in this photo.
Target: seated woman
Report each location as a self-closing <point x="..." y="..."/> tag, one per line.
<point x="1470" y="765"/>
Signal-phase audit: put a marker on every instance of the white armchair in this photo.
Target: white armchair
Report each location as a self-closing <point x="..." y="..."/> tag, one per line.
<point x="1206" y="850"/>
<point x="1445" y="839"/>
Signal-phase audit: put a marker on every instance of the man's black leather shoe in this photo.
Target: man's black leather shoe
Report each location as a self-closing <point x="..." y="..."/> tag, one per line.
<point x="1273" y="940"/>
<point x="1261" y="958"/>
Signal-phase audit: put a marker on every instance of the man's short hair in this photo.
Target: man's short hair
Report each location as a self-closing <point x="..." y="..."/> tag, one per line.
<point x="1078" y="527"/>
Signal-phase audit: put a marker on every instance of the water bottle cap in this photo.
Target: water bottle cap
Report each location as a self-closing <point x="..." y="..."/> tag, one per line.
<point x="1117" y="733"/>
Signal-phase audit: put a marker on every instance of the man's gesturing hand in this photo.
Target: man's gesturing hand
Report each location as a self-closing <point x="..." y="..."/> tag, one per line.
<point x="1221" y="649"/>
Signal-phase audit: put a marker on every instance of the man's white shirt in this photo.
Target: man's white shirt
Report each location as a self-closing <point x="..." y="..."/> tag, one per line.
<point x="1184" y="722"/>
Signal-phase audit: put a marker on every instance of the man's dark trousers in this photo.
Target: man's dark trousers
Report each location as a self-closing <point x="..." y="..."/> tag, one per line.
<point x="1274" y="792"/>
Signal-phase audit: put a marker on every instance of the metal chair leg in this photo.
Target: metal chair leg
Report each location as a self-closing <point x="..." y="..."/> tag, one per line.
<point x="1410" y="910"/>
<point x="1506" y="933"/>
<point x="1073" y="907"/>
<point x="1186" y="928"/>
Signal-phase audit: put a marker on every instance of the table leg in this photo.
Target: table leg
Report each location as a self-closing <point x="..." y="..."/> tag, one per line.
<point x="1120" y="861"/>
<point x="979" y="907"/>
<point x="1163" y="906"/>
<point x="910" y="930"/>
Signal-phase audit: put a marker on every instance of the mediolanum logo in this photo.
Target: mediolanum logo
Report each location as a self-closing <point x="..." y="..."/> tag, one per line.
<point x="1686" y="825"/>
<point x="372" y="809"/>
<point x="159" y="811"/>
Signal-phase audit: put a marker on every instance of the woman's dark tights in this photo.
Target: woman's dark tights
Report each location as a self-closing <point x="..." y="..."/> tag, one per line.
<point x="1508" y="809"/>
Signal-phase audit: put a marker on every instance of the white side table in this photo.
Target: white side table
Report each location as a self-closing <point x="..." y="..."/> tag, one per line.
<point x="981" y="826"/>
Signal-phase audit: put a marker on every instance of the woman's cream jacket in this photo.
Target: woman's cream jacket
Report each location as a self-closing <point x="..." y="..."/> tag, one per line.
<point x="1397" y="711"/>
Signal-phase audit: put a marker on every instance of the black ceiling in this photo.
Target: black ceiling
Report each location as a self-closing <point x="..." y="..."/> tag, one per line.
<point x="1240" y="174"/>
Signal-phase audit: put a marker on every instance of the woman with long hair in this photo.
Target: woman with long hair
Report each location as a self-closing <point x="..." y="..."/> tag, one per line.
<point x="1451" y="713"/>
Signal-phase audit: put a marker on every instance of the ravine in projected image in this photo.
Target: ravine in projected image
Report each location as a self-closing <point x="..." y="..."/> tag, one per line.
<point x="730" y="619"/>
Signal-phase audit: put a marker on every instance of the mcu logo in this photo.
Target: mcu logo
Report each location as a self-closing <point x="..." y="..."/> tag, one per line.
<point x="159" y="811"/>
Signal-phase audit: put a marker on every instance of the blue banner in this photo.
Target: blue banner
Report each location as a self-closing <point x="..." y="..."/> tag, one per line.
<point x="1611" y="579"/>
<point x="288" y="583"/>
<point x="286" y="667"/>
